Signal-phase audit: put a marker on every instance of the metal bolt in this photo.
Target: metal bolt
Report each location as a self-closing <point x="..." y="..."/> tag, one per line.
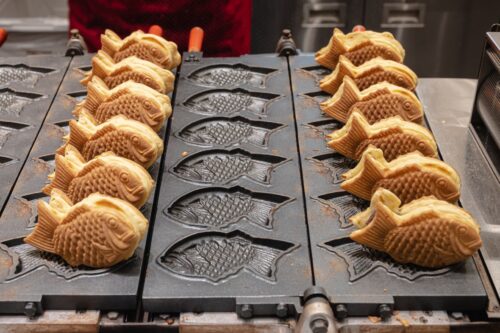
<point x="281" y="310"/>
<point x="341" y="311"/>
<point x="457" y="315"/>
<point x="286" y="33"/>
<point x="30" y="310"/>
<point x="384" y="311"/>
<point x="319" y="325"/>
<point x="246" y="311"/>
<point x="113" y="315"/>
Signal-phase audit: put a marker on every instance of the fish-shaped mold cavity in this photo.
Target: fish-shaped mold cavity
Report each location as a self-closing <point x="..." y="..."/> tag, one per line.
<point x="226" y="102"/>
<point x="361" y="261"/>
<point x="99" y="231"/>
<point x="371" y="72"/>
<point x="324" y="127"/>
<point x="131" y="68"/>
<point x="427" y="232"/>
<point x="220" y="166"/>
<point x="335" y="163"/>
<point x="19" y="260"/>
<point x="220" y="207"/>
<point x="78" y="96"/>
<point x="316" y="71"/>
<point x="393" y="136"/>
<point x="216" y="256"/>
<point x="380" y="101"/>
<point x="359" y="47"/>
<point x="22" y="73"/>
<point x="131" y="99"/>
<point x="228" y="132"/>
<point x="106" y="174"/>
<point x="13" y="102"/>
<point x="343" y="205"/>
<point x="125" y="137"/>
<point x="145" y="46"/>
<point x="8" y="128"/>
<point x="410" y="176"/>
<point x="231" y="75"/>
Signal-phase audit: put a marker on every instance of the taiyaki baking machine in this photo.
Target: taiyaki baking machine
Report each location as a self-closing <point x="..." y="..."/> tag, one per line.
<point x="247" y="183"/>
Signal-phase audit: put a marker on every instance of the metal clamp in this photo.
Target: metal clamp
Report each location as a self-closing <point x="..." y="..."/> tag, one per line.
<point x="76" y="44"/>
<point x="317" y="316"/>
<point x="286" y="45"/>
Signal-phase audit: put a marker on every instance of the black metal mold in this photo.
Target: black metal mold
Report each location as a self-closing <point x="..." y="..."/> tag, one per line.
<point x="223" y="75"/>
<point x="220" y="166"/>
<point x="357" y="277"/>
<point x="216" y="256"/>
<point x="220" y="207"/>
<point x="227" y="102"/>
<point x="12" y="102"/>
<point x="228" y="132"/>
<point x="22" y="73"/>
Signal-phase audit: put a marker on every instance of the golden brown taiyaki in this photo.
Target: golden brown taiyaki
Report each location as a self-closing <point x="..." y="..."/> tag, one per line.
<point x="131" y="99"/>
<point x="369" y="73"/>
<point x="124" y="137"/>
<point x="131" y="68"/>
<point x="393" y="136"/>
<point x="426" y="232"/>
<point x="107" y="174"/>
<point x="99" y="231"/>
<point x="409" y="176"/>
<point x="380" y="101"/>
<point x="359" y="47"/>
<point x="148" y="47"/>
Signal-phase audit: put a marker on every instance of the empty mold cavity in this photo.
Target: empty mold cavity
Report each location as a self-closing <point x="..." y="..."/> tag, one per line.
<point x="343" y="205"/>
<point x="22" y="73"/>
<point x="231" y="75"/>
<point x="13" y="102"/>
<point x="336" y="164"/>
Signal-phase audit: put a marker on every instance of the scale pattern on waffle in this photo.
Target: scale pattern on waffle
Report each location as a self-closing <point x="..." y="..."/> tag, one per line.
<point x="394" y="145"/>
<point x="365" y="53"/>
<point x="384" y="106"/>
<point x="377" y="76"/>
<point x="114" y="80"/>
<point x="140" y="50"/>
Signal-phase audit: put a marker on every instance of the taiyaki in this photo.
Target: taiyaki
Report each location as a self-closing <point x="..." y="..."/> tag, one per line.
<point x="409" y="176"/>
<point x="124" y="137"/>
<point x="99" y="231"/>
<point x="131" y="99"/>
<point x="360" y="47"/>
<point x="369" y="73"/>
<point x="106" y="174"/>
<point x="426" y="232"/>
<point x="148" y="47"/>
<point x="380" y="101"/>
<point x="131" y="68"/>
<point x="218" y="256"/>
<point x="393" y="135"/>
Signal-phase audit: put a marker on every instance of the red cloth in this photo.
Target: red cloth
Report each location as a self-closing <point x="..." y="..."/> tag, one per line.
<point x="226" y="23"/>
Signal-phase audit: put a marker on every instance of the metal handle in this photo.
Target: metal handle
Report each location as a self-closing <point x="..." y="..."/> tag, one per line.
<point x="403" y="15"/>
<point x="196" y="39"/>
<point x="3" y="36"/>
<point x="324" y="15"/>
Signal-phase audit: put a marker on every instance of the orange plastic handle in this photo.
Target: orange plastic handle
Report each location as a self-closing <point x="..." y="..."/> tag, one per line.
<point x="358" y="28"/>
<point x="3" y="36"/>
<point x="196" y="39"/>
<point x="156" y="30"/>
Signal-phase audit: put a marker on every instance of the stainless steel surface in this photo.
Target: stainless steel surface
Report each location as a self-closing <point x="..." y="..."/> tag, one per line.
<point x="442" y="38"/>
<point x="448" y="105"/>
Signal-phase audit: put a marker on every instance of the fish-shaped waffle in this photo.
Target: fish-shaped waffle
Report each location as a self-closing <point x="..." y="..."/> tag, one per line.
<point x="107" y="174"/>
<point x="222" y="166"/>
<point x="148" y="47"/>
<point x="227" y="131"/>
<point x="410" y="176"/>
<point x="134" y="100"/>
<point x="380" y="101"/>
<point x="427" y="232"/>
<point x="124" y="137"/>
<point x="131" y="68"/>
<point x="359" y="47"/>
<point x="99" y="231"/>
<point x="219" y="256"/>
<point x="369" y="73"/>
<point x="393" y="135"/>
<point x="220" y="207"/>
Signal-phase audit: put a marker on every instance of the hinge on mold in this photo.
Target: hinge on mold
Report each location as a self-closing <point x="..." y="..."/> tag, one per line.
<point x="317" y="316"/>
<point x="286" y="45"/>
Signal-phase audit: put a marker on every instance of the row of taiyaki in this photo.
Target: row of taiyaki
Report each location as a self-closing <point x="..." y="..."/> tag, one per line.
<point x="373" y="96"/>
<point x="100" y="180"/>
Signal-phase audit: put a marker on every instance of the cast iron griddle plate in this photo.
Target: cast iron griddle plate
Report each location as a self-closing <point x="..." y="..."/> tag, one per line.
<point x="28" y="275"/>
<point x="230" y="226"/>
<point x="27" y="88"/>
<point x="352" y="274"/>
